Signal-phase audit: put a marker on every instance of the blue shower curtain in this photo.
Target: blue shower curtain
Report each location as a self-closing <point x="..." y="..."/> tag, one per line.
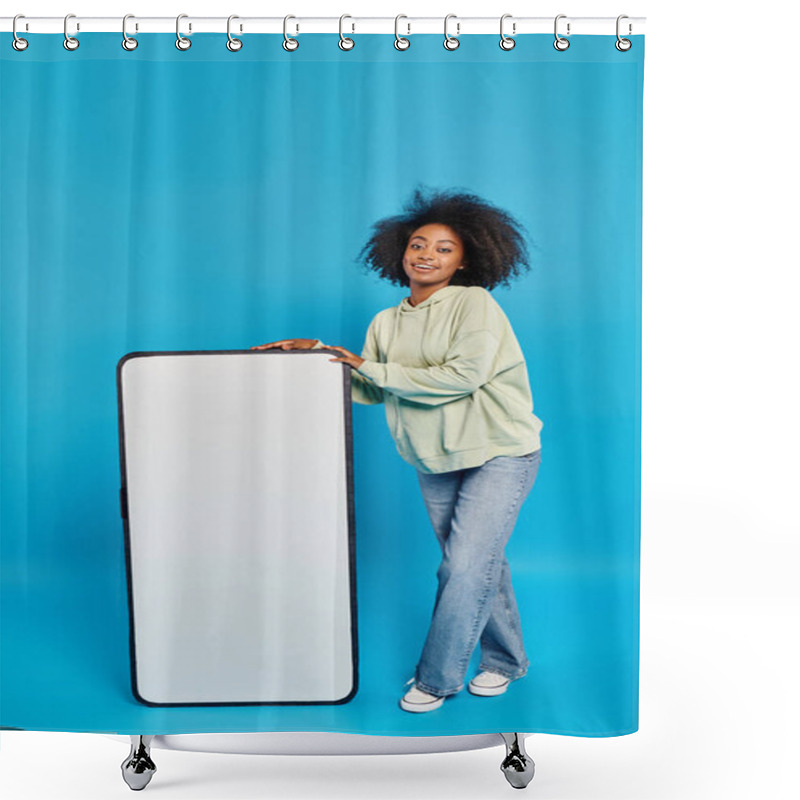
<point x="159" y="200"/>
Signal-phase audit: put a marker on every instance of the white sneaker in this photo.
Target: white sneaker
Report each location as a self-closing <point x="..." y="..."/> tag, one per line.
<point x="488" y="684"/>
<point x="416" y="700"/>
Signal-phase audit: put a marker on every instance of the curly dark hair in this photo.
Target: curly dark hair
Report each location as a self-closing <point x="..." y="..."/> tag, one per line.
<point x="494" y="242"/>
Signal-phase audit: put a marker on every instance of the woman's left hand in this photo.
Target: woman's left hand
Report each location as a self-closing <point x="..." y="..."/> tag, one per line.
<point x="347" y="357"/>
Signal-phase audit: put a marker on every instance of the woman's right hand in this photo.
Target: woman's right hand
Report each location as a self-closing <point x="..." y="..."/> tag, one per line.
<point x="288" y="344"/>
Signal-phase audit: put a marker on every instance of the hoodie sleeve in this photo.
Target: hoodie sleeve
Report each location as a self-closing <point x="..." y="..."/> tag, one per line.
<point x="471" y="360"/>
<point x="361" y="389"/>
<point x="469" y="364"/>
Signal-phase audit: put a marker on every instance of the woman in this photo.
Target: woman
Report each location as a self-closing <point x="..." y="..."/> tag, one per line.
<point x="448" y="367"/>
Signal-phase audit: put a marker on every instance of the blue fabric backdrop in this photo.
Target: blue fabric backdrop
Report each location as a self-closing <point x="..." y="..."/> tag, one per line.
<point x="166" y="200"/>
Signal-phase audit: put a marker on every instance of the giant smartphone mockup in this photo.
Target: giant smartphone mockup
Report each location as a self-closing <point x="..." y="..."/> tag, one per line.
<point x="237" y="498"/>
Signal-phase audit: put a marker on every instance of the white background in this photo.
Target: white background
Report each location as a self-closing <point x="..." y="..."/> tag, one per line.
<point x="719" y="693"/>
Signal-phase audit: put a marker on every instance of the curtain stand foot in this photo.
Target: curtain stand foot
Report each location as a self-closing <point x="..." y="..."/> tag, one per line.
<point x="517" y="766"/>
<point x="138" y="768"/>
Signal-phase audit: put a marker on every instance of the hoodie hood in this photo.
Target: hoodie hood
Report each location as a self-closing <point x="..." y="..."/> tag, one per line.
<point x="436" y="297"/>
<point x="421" y="313"/>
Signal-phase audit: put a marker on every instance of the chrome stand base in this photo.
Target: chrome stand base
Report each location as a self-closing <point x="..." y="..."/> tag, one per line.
<point x="138" y="768"/>
<point x="517" y="766"/>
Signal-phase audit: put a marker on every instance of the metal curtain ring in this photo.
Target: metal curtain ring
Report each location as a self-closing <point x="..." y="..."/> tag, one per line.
<point x="400" y="42"/>
<point x="70" y="42"/>
<point x="451" y="42"/>
<point x="18" y="43"/>
<point x="128" y="42"/>
<point x="344" y="42"/>
<point x="560" y="43"/>
<point x="621" y="44"/>
<point x="506" y="42"/>
<point x="233" y="44"/>
<point x="182" y="43"/>
<point x="289" y="43"/>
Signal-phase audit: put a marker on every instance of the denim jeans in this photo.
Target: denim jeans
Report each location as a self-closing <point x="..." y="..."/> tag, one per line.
<point x="473" y="512"/>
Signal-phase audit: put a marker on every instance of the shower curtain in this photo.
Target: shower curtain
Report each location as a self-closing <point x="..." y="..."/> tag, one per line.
<point x="167" y="201"/>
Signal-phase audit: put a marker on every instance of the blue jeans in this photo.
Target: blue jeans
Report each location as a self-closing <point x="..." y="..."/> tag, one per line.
<point x="473" y="512"/>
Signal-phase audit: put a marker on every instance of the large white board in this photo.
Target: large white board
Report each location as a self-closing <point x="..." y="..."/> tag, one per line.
<point x="237" y="494"/>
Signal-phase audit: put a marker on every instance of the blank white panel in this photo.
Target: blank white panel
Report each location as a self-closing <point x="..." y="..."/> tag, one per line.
<point x="238" y="505"/>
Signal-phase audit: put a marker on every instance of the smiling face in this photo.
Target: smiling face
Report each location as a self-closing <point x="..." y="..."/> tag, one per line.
<point x="433" y="255"/>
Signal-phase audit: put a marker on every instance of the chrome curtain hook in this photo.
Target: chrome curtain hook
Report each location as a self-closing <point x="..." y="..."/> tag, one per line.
<point x="18" y="43"/>
<point x="128" y="42"/>
<point x="560" y="43"/>
<point x="345" y="43"/>
<point x="289" y="43"/>
<point x="623" y="44"/>
<point x="233" y="44"/>
<point x="506" y="42"/>
<point x="181" y="42"/>
<point x="451" y="42"/>
<point x="400" y="42"/>
<point x="70" y="42"/>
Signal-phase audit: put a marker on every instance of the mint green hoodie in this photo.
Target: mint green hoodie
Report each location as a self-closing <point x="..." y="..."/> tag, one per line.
<point x="453" y="380"/>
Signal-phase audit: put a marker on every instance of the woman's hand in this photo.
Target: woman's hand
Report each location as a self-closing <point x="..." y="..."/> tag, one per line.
<point x="348" y="358"/>
<point x="288" y="344"/>
<point x="306" y="344"/>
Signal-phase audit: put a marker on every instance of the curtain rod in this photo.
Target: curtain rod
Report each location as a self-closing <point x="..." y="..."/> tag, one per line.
<point x="350" y="25"/>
